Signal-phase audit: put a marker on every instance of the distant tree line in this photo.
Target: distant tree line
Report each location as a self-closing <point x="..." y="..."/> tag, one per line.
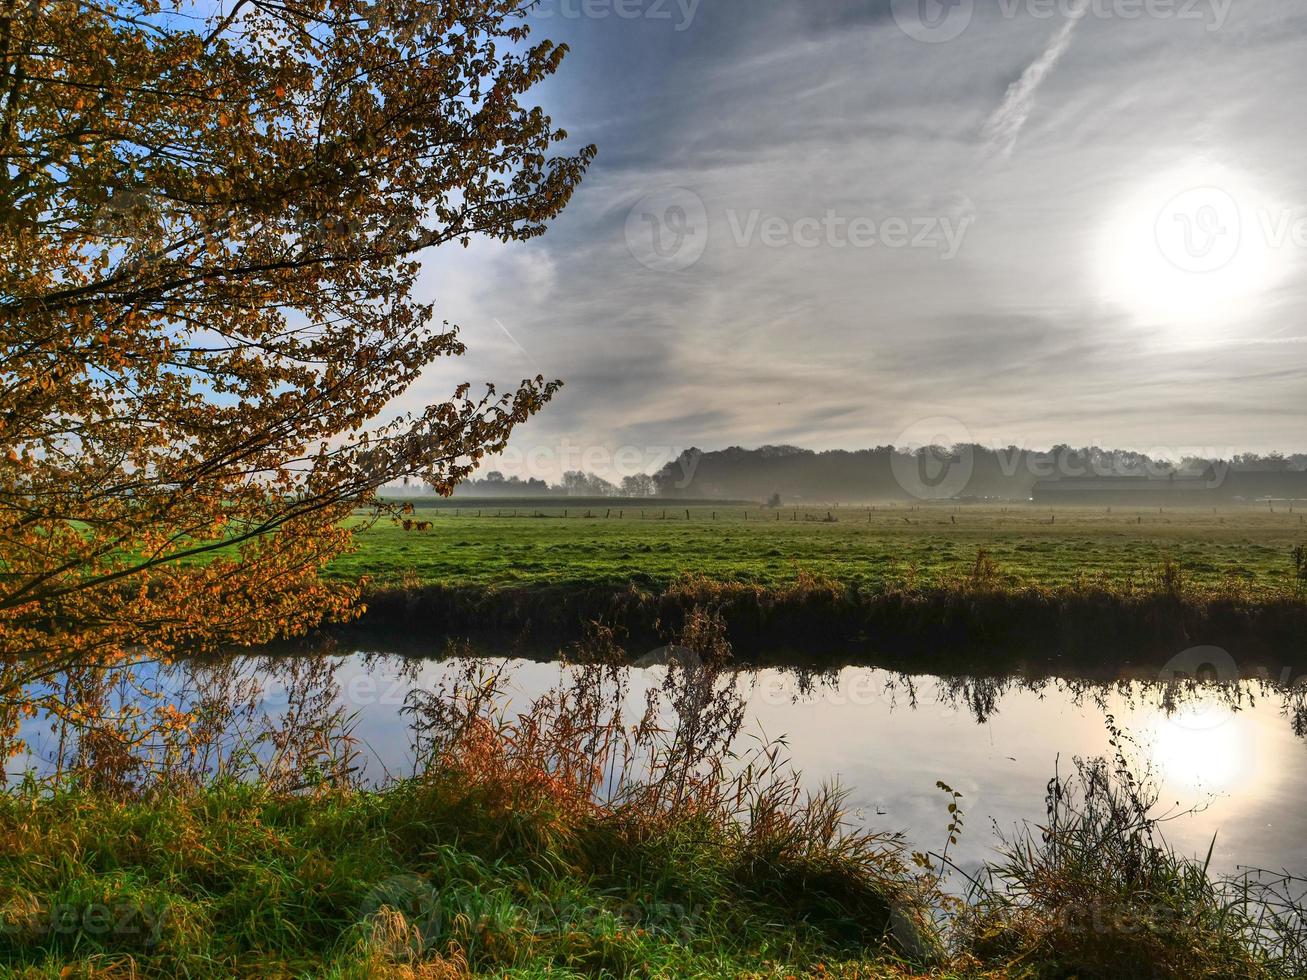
<point x="791" y="475"/>
<point x="782" y="475"/>
<point x="575" y="483"/>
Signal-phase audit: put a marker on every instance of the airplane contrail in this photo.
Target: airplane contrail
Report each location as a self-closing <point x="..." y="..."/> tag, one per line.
<point x="501" y="326"/>
<point x="1003" y="126"/>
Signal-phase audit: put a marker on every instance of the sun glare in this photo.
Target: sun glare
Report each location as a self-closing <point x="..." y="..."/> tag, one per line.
<point x="1203" y="749"/>
<point x="1197" y="249"/>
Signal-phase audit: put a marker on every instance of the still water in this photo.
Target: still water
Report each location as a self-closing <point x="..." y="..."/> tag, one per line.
<point x="1230" y="759"/>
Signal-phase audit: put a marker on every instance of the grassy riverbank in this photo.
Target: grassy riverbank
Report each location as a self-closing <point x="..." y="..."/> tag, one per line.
<point x="458" y="873"/>
<point x="430" y="878"/>
<point x="912" y="582"/>
<point x="570" y="838"/>
<point x="811" y="621"/>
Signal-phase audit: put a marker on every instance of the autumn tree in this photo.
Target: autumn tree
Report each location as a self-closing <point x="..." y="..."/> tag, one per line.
<point x="212" y="223"/>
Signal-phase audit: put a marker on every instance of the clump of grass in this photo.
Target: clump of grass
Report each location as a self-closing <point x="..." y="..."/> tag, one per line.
<point x="985" y="574"/>
<point x="1096" y="892"/>
<point x="1171" y="579"/>
<point x="675" y="765"/>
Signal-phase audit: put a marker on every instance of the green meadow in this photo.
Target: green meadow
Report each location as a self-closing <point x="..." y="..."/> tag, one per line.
<point x="482" y="544"/>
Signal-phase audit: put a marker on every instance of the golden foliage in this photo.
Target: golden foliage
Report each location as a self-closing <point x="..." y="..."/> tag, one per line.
<point x="210" y="225"/>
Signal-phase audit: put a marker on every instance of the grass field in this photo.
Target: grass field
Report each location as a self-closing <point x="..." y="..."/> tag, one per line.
<point x="483" y="544"/>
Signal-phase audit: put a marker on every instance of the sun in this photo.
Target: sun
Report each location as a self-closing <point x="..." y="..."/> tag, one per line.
<point x="1194" y="249"/>
<point x="1202" y="748"/>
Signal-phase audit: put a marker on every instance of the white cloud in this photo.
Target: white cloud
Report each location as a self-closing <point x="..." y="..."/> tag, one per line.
<point x="831" y="347"/>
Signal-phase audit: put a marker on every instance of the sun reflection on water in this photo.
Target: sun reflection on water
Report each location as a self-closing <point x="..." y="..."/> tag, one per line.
<point x="1203" y="748"/>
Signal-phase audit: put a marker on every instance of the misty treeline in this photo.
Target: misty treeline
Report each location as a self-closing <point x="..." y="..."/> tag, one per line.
<point x="789" y="474"/>
<point x="575" y="483"/>
<point x="1011" y="473"/>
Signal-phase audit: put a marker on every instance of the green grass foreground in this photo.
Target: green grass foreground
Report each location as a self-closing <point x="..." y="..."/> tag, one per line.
<point x="444" y="877"/>
<point x="428" y="878"/>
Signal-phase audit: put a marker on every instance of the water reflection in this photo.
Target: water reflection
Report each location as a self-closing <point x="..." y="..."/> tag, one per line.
<point x="1189" y="749"/>
<point x="1229" y="751"/>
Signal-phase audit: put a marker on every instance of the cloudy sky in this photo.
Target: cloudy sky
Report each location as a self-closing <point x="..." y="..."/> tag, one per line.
<point x="843" y="224"/>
